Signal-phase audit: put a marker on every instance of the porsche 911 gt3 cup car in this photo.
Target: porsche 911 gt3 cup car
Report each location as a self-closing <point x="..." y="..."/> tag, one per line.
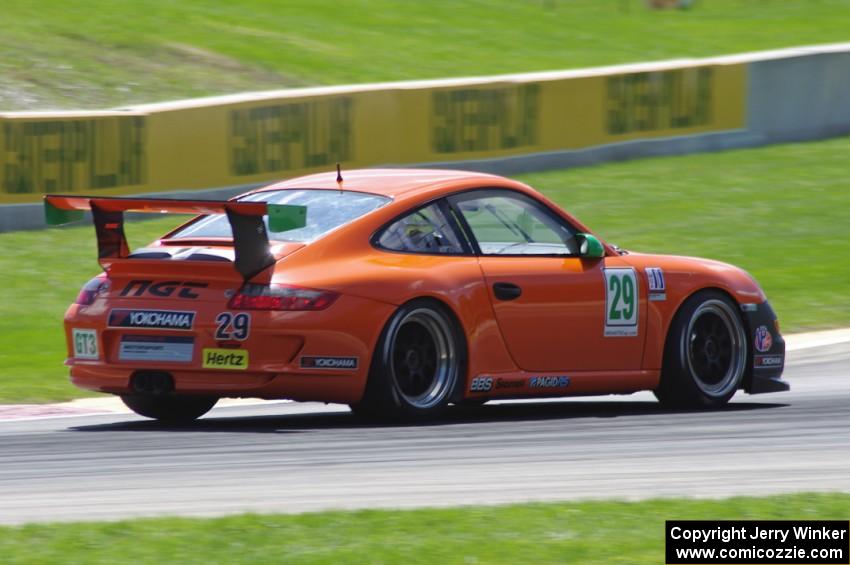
<point x="399" y="292"/>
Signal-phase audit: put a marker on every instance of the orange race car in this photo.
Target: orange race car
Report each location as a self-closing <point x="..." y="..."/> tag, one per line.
<point x="398" y="292"/>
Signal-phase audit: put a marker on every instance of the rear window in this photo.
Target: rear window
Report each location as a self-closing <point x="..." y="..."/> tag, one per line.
<point x="326" y="210"/>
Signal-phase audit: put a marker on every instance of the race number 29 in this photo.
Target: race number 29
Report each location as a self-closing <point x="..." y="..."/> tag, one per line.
<point x="621" y="302"/>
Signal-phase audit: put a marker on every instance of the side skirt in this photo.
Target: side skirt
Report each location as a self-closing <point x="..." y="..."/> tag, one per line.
<point x="529" y="384"/>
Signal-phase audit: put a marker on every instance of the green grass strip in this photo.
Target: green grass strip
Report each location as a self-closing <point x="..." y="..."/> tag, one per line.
<point x="587" y="532"/>
<point x="102" y="53"/>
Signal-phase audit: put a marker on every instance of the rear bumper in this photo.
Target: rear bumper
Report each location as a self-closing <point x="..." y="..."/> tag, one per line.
<point x="767" y="351"/>
<point x="320" y="386"/>
<point x="309" y="356"/>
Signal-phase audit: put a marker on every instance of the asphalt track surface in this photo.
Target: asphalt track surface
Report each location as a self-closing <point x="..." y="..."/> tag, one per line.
<point x="283" y="457"/>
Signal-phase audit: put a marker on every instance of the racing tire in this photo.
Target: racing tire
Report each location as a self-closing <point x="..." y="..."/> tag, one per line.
<point x="705" y="356"/>
<point x="169" y="408"/>
<point x="419" y="362"/>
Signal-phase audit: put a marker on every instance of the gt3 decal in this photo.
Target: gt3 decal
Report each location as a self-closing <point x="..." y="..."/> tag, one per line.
<point x="85" y="343"/>
<point x="232" y="326"/>
<point x="621" y="302"/>
<point x="225" y="359"/>
<point x="153" y="319"/>
<point x="763" y="340"/>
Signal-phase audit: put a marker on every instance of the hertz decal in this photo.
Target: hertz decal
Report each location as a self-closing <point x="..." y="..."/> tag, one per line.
<point x="233" y="359"/>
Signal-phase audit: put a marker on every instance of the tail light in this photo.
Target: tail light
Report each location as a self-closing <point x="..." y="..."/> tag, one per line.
<point x="281" y="297"/>
<point x="92" y="289"/>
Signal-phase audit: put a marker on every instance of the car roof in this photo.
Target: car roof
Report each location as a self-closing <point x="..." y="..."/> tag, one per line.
<point x="411" y="185"/>
<point x="388" y="182"/>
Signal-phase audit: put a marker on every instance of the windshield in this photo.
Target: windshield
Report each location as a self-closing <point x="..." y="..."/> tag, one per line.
<point x="326" y="210"/>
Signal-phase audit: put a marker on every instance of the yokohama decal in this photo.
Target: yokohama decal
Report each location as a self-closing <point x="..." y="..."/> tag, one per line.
<point x="348" y="363"/>
<point x="152" y="319"/>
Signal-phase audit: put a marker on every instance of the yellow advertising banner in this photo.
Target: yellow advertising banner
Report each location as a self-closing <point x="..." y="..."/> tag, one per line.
<point x="86" y="153"/>
<point x="236" y="140"/>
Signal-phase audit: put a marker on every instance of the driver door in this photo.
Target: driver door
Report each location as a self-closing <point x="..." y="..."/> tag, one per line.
<point x="555" y="309"/>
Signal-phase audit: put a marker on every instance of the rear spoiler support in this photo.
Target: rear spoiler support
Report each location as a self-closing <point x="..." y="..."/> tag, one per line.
<point x="250" y="237"/>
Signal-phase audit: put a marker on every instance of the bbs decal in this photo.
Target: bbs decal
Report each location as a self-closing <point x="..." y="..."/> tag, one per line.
<point x="481" y="384"/>
<point x="232" y="326"/>
<point x="621" y="302"/>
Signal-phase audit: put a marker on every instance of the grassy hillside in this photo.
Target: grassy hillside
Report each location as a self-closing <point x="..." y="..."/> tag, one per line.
<point x="780" y="212"/>
<point x="100" y="53"/>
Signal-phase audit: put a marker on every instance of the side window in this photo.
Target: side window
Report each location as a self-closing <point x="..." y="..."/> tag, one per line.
<point x="512" y="224"/>
<point x="424" y="231"/>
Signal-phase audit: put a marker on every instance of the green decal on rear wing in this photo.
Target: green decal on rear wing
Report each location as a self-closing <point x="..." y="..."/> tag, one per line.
<point x="250" y="238"/>
<point x="57" y="216"/>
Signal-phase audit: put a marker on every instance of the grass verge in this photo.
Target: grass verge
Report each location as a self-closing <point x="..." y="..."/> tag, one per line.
<point x="100" y="53"/>
<point x="780" y="212"/>
<point x="588" y="533"/>
<point x="42" y="272"/>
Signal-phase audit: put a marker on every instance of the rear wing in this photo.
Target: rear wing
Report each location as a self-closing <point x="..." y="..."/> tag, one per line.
<point x="250" y="237"/>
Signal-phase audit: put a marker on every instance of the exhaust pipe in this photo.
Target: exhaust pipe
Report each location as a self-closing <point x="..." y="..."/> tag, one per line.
<point x="152" y="382"/>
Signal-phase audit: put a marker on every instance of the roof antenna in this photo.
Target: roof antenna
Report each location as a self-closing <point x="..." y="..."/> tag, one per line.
<point x="339" y="178"/>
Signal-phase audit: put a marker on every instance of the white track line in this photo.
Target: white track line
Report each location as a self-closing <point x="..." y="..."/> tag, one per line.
<point x="796" y="342"/>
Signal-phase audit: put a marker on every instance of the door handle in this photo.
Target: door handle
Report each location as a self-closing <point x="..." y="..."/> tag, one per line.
<point x="506" y="291"/>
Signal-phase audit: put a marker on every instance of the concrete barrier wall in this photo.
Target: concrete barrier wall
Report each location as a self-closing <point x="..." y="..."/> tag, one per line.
<point x="801" y="96"/>
<point x="505" y="124"/>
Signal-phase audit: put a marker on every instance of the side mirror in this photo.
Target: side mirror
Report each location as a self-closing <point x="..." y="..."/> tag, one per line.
<point x="589" y="246"/>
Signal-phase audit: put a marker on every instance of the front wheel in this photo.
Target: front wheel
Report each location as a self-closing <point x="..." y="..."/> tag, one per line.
<point x="169" y="408"/>
<point x="417" y="363"/>
<point x="706" y="353"/>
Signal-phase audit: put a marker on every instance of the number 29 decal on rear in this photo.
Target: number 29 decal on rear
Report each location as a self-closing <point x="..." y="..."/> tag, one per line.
<point x="232" y="326"/>
<point x="621" y="302"/>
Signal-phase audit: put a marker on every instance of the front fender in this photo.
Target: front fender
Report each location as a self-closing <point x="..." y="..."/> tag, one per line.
<point x="682" y="278"/>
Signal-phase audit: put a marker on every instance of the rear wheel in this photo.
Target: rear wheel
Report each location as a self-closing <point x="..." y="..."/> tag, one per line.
<point x="706" y="353"/>
<point x="417" y="363"/>
<point x="169" y="408"/>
